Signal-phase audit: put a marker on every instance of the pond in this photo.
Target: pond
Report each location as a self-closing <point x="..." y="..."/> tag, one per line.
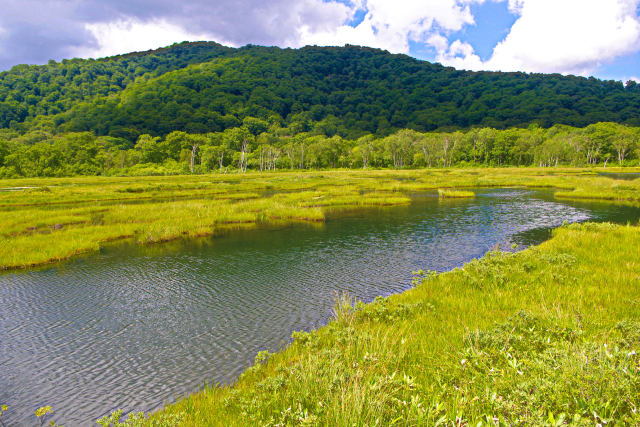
<point x="135" y="326"/>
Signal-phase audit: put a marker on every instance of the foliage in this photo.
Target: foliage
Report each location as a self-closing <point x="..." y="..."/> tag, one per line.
<point x="42" y="413"/>
<point x="185" y="107"/>
<point x="27" y="91"/>
<point x="349" y="91"/>
<point x="455" y="194"/>
<point x="239" y="149"/>
<point x="553" y="372"/>
<point x="139" y="419"/>
<point x="3" y="409"/>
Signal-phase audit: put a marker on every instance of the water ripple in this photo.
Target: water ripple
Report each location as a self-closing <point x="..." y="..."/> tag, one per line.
<point x="133" y="327"/>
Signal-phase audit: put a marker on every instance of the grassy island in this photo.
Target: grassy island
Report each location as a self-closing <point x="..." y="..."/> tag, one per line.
<point x="455" y="194"/>
<point x="44" y="220"/>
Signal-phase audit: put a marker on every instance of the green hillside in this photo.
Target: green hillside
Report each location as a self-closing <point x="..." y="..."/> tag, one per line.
<point x="199" y="107"/>
<point x="30" y="90"/>
<point x="354" y="90"/>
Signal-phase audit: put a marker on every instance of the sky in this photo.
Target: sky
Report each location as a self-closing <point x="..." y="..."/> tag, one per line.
<point x="598" y="38"/>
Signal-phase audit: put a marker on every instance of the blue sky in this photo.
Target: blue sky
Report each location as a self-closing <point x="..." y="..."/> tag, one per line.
<point x="493" y="20"/>
<point x="620" y="69"/>
<point x="492" y="24"/>
<point x="583" y="37"/>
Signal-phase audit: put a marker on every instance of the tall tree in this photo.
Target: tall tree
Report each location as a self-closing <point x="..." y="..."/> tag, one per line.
<point x="239" y="139"/>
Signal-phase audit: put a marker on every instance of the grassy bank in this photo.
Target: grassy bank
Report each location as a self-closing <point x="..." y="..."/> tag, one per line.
<point x="46" y="220"/>
<point x="545" y="336"/>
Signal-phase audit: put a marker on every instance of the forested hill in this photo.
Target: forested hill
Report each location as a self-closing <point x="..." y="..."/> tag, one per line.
<point x="31" y="90"/>
<point x="345" y="90"/>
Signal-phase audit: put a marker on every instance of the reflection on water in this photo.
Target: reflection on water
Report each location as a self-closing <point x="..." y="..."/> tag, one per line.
<point x="134" y="326"/>
<point x="627" y="176"/>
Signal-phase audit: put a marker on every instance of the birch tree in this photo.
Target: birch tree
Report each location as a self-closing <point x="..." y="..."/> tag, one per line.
<point x="238" y="139"/>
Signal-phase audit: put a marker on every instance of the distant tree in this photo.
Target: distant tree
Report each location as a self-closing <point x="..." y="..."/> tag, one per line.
<point x="600" y="138"/>
<point x="624" y="141"/>
<point x="239" y="139"/>
<point x="429" y="144"/>
<point x="364" y="149"/>
<point x="255" y="126"/>
<point x="150" y="148"/>
<point x="448" y="144"/>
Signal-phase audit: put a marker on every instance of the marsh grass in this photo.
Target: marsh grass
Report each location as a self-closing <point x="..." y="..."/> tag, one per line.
<point x="455" y="194"/>
<point x="55" y="218"/>
<point x="545" y="336"/>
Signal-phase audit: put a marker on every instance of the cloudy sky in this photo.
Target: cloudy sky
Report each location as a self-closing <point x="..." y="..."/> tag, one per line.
<point x="584" y="37"/>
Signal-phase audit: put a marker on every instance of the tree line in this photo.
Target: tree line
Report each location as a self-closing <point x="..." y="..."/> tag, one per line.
<point x="265" y="146"/>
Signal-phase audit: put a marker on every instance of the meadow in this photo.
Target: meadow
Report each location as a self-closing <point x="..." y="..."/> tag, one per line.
<point x="45" y="220"/>
<point x="546" y="336"/>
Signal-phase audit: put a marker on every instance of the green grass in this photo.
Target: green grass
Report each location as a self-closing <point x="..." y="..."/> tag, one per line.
<point x="456" y="194"/>
<point x="55" y="218"/>
<point x="546" y="336"/>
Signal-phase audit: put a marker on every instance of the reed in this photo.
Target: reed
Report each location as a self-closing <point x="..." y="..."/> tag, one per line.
<point x="545" y="336"/>
<point x="455" y="194"/>
<point x="549" y="335"/>
<point x="38" y="216"/>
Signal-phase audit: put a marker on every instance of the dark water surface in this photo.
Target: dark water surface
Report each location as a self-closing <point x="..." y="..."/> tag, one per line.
<point x="627" y="176"/>
<point x="133" y="327"/>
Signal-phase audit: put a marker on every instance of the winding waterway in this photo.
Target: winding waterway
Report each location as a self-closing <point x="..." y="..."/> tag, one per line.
<point x="133" y="327"/>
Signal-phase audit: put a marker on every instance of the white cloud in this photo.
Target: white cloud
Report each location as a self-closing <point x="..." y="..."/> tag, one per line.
<point x="131" y="35"/>
<point x="386" y="25"/>
<point x="459" y="55"/>
<point x="563" y="36"/>
<point x="568" y="36"/>
<point x="279" y="23"/>
<point x="392" y="25"/>
<point x="439" y="42"/>
<point x="515" y="6"/>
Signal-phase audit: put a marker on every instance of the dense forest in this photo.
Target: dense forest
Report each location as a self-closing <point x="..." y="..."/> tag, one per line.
<point x="195" y="107"/>
<point x="354" y="91"/>
<point x="27" y="91"/>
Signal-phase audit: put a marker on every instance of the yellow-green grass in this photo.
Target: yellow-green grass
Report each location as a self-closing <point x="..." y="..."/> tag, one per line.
<point x="54" y="218"/>
<point x="511" y="339"/>
<point x="546" y="336"/>
<point x="455" y="194"/>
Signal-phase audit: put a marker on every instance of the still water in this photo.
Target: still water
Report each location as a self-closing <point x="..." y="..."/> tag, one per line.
<point x="626" y="176"/>
<point x="133" y="327"/>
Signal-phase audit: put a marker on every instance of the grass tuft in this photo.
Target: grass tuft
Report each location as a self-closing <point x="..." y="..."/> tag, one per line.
<point x="455" y="194"/>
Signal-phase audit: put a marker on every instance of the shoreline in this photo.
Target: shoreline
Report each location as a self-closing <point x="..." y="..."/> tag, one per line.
<point x="39" y="237"/>
<point x="401" y="339"/>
